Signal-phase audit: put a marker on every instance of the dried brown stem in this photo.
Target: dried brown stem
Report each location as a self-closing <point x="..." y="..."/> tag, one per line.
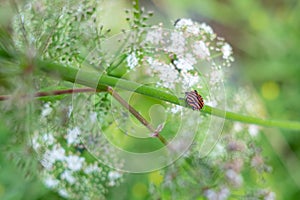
<point x="53" y="93"/>
<point x="113" y="93"/>
<point x="137" y="115"/>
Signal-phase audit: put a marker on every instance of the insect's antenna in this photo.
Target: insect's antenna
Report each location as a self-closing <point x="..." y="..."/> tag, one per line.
<point x="182" y="98"/>
<point x="176" y="21"/>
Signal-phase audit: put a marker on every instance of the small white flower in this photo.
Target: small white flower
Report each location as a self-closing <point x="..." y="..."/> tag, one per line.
<point x="226" y="50"/>
<point x="47" y="163"/>
<point x="34" y="141"/>
<point x="211" y="102"/>
<point x="186" y="63"/>
<point x="206" y="28"/>
<point x="270" y="195"/>
<point x="178" y="43"/>
<point x="93" y="117"/>
<point x="50" y="182"/>
<point x="194" y="29"/>
<point x="253" y="130"/>
<point x="188" y="26"/>
<point x="58" y="153"/>
<point x="266" y="194"/>
<point x="74" y="162"/>
<point x="46" y="109"/>
<point x="72" y="135"/>
<point x="48" y="139"/>
<point x="150" y="61"/>
<point x="257" y="161"/>
<point x="183" y="23"/>
<point x="113" y="176"/>
<point x="183" y="64"/>
<point x="216" y="77"/>
<point x="63" y="193"/>
<point x="167" y="74"/>
<point x="132" y="60"/>
<point x="218" y="150"/>
<point x="224" y="193"/>
<point x="154" y="36"/>
<point x="190" y="59"/>
<point x="201" y="50"/>
<point x="67" y="175"/>
<point x="175" y="109"/>
<point x="210" y="194"/>
<point x="92" y="168"/>
<point x="189" y="80"/>
<point x="237" y="126"/>
<point x="234" y="178"/>
<point x="51" y="156"/>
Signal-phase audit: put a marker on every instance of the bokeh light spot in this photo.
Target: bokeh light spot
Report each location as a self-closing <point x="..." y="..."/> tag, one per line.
<point x="156" y="178"/>
<point x="259" y="20"/>
<point x="2" y="190"/>
<point x="139" y="190"/>
<point x="270" y="90"/>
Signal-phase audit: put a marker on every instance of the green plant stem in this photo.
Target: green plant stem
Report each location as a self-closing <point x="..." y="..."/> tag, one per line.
<point x="136" y="14"/>
<point x="90" y="78"/>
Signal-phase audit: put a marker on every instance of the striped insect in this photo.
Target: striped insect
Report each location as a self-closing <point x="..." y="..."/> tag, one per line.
<point x="194" y="100"/>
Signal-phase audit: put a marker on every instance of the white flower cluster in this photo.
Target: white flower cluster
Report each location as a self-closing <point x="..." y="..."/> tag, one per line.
<point x="57" y="28"/>
<point x="241" y="153"/>
<point x="222" y="194"/>
<point x="65" y="168"/>
<point x="190" y="36"/>
<point x="47" y="110"/>
<point x="73" y="136"/>
<point x="178" y="59"/>
<point x="165" y="72"/>
<point x="113" y="176"/>
<point x="132" y="60"/>
<point x="204" y="43"/>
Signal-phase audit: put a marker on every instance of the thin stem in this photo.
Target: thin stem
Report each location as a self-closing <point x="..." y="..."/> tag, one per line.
<point x="114" y="66"/>
<point x="53" y="93"/>
<point x="90" y="78"/>
<point x="136" y="114"/>
<point x="23" y="29"/>
<point x="136" y="13"/>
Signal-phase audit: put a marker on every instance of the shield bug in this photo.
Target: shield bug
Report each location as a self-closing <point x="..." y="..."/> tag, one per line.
<point x="194" y="100"/>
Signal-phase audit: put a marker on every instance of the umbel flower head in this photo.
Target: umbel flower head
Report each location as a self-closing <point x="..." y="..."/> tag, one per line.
<point x="186" y="58"/>
<point x="175" y="56"/>
<point x="63" y="154"/>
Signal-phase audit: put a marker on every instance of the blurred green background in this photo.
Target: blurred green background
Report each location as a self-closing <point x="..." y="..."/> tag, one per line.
<point x="265" y="36"/>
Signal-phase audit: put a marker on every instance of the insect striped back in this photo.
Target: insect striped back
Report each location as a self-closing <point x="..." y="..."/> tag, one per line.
<point x="194" y="100"/>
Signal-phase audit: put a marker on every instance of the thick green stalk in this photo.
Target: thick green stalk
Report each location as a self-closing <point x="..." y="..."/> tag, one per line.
<point x="93" y="79"/>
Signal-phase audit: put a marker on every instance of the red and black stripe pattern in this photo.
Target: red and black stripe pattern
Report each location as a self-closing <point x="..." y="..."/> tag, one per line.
<point x="194" y="100"/>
